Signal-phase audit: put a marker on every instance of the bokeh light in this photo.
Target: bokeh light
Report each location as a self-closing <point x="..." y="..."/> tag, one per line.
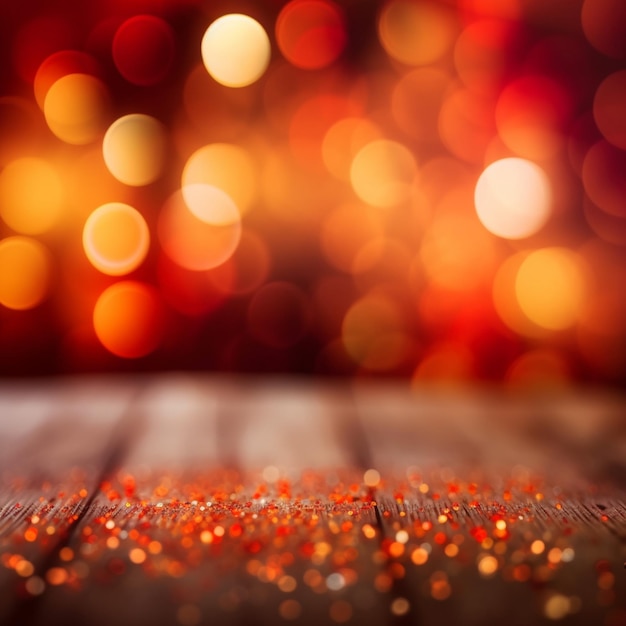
<point x="551" y="286"/>
<point x="513" y="198"/>
<point x="246" y="270"/>
<point x="608" y="108"/>
<point x="374" y="333"/>
<point x="417" y="188"/>
<point x="143" y="49"/>
<point x="25" y="272"/>
<point x="603" y="178"/>
<point x="416" y="33"/>
<point x="134" y="149"/>
<point x="116" y="238"/>
<point x="32" y="196"/>
<point x="604" y="24"/>
<point x="223" y="167"/>
<point x="530" y="114"/>
<point x="193" y="243"/>
<point x="61" y="64"/>
<point x="76" y="108"/>
<point x="128" y="319"/>
<point x="235" y="50"/>
<point x="383" y="173"/>
<point x="311" y="34"/>
<point x="211" y="204"/>
<point x="343" y="140"/>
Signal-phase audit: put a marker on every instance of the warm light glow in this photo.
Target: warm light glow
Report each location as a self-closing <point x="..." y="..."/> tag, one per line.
<point x="31" y="196"/>
<point x="530" y="113"/>
<point x="58" y="65"/>
<point x="457" y="253"/>
<point x="505" y="298"/>
<point x="127" y="319"/>
<point x="345" y="233"/>
<point x="487" y="565"/>
<point x="311" y="34"/>
<point x="116" y="238"/>
<point x="143" y="49"/>
<point x="76" y="108"/>
<point x="513" y="198"/>
<point x="225" y="167"/>
<point x="235" y="50"/>
<point x="25" y="272"/>
<point x="416" y="102"/>
<point x="192" y="243"/>
<point x="604" y="25"/>
<point x="608" y="108"/>
<point x="416" y="33"/>
<point x="210" y="204"/>
<point x="246" y="270"/>
<point x="603" y="178"/>
<point x="343" y="140"/>
<point x="550" y="287"/>
<point x="373" y="333"/>
<point x="134" y="149"/>
<point x="383" y="173"/>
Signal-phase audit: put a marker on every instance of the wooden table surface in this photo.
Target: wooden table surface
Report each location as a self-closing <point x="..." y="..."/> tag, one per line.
<point x="196" y="499"/>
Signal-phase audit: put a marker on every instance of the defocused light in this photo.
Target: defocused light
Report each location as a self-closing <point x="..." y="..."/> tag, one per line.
<point x="278" y="314"/>
<point x="143" y="49"/>
<point x="90" y="185"/>
<point x="416" y="33"/>
<point x="25" y="272"/>
<point x="76" y="108"/>
<point x="211" y="204"/>
<point x="610" y="228"/>
<point x="21" y="129"/>
<point x="246" y="270"/>
<point x="604" y="179"/>
<point x="134" y="149"/>
<point x="540" y="368"/>
<point x="509" y="9"/>
<point x="39" y="38"/>
<point x="311" y="34"/>
<point x="343" y="140"/>
<point x="444" y="363"/>
<point x="416" y="102"/>
<point x="530" y="113"/>
<point x="312" y="120"/>
<point x="457" y="253"/>
<point x="58" y="65"/>
<point x="31" y="196"/>
<point x="189" y="292"/>
<point x="345" y="232"/>
<point x="128" y="319"/>
<point x="191" y="242"/>
<point x="374" y="334"/>
<point x="550" y="287"/>
<point x="235" y="50"/>
<point x="513" y="198"/>
<point x="466" y="125"/>
<point x="225" y="167"/>
<point x="479" y="54"/>
<point x="604" y="24"/>
<point x="383" y="173"/>
<point x="116" y="238"/>
<point x="505" y="298"/>
<point x="608" y="108"/>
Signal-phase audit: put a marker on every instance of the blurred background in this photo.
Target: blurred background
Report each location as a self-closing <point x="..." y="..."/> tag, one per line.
<point x="427" y="189"/>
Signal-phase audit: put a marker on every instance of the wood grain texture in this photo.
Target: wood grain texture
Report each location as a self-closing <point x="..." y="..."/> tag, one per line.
<point x="200" y="500"/>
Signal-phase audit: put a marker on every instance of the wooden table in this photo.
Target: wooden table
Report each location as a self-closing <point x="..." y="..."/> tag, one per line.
<point x="192" y="499"/>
